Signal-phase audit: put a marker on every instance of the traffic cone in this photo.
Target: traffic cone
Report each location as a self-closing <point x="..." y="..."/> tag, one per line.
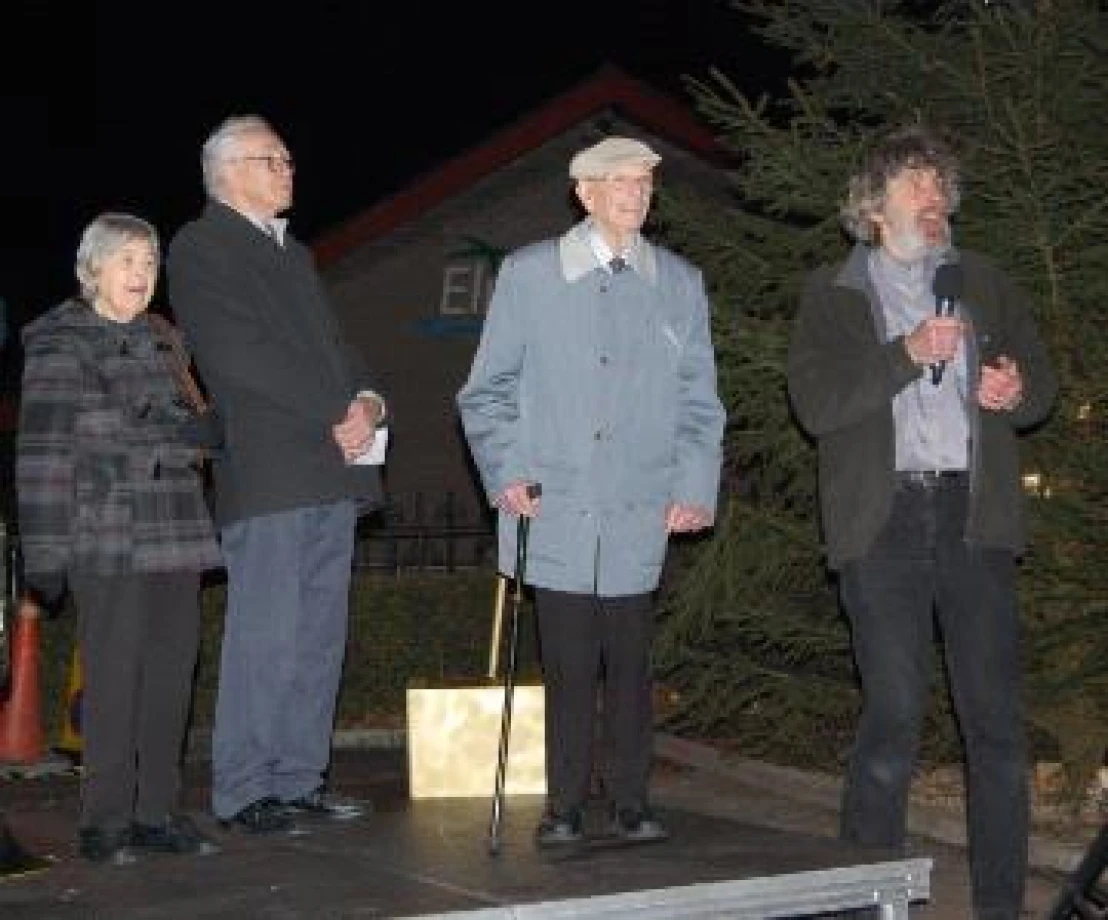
<point x="21" y="737"/>
<point x="71" y="740"/>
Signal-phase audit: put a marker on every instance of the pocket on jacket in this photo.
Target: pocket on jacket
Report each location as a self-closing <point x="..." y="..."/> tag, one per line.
<point x="639" y="540"/>
<point x="96" y="476"/>
<point x="553" y="534"/>
<point x="556" y="478"/>
<point x="103" y="532"/>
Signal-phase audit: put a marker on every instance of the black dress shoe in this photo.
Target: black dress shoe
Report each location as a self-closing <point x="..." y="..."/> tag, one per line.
<point x="559" y="829"/>
<point x="106" y="846"/>
<point x="177" y="834"/>
<point x="317" y="804"/>
<point x="637" y="824"/>
<point x="265" y="816"/>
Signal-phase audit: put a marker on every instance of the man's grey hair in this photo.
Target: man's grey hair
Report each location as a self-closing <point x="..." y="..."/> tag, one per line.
<point x="911" y="147"/>
<point x="222" y="145"/>
<point x="106" y="235"/>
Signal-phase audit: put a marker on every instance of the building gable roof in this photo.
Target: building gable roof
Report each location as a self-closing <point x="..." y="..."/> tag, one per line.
<point x="609" y="87"/>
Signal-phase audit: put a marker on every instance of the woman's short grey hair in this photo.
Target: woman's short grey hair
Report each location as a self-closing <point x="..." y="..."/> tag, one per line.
<point x="105" y="236"/>
<point x="912" y="147"/>
<point x="222" y="145"/>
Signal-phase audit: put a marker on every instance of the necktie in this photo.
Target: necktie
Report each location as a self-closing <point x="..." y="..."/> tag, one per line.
<point x="617" y="264"/>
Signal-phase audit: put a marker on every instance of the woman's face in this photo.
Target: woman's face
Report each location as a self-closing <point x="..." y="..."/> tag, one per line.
<point x="126" y="280"/>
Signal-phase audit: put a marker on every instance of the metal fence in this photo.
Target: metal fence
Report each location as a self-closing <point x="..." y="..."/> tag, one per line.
<point x="409" y="533"/>
<point x="418" y="533"/>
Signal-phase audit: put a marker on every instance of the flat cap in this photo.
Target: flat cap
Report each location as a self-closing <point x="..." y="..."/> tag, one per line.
<point x="600" y="159"/>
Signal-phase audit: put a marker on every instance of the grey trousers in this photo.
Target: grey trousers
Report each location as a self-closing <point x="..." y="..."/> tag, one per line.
<point x="284" y="637"/>
<point x="138" y="640"/>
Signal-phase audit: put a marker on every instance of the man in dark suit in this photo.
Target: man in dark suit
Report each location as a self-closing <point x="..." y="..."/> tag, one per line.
<point x="300" y="414"/>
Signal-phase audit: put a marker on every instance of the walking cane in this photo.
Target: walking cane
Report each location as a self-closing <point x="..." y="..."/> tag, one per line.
<point x="522" y="527"/>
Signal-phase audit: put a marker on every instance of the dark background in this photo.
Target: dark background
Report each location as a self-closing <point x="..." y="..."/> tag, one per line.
<point x="106" y="105"/>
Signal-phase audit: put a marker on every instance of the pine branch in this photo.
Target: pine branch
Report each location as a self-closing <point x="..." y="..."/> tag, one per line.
<point x="751" y="625"/>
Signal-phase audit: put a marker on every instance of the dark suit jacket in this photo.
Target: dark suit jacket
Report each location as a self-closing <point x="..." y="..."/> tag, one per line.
<point x="269" y="349"/>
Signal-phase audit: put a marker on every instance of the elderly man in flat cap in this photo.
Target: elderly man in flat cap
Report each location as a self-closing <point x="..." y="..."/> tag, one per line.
<point x="595" y="378"/>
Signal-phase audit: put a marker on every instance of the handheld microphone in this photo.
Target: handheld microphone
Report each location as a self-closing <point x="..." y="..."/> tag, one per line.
<point x="947" y="288"/>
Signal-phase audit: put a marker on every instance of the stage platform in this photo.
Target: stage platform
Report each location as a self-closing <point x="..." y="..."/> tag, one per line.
<point x="430" y="858"/>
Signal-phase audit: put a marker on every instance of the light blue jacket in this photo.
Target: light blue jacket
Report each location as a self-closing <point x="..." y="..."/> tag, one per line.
<point x="601" y="387"/>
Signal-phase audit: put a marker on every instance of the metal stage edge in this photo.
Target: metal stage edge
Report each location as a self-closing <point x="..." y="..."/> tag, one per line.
<point x="891" y="886"/>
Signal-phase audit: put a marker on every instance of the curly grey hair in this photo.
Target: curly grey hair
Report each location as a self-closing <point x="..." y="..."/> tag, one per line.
<point x="911" y="147"/>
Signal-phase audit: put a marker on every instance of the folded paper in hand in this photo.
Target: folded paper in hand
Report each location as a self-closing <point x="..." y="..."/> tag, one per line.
<point x="375" y="456"/>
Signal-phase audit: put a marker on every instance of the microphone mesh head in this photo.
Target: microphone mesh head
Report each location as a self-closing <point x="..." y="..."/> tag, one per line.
<point x="948" y="281"/>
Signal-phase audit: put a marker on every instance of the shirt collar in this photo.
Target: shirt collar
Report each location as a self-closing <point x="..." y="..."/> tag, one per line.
<point x="278" y="226"/>
<point x="914" y="273"/>
<point x="604" y="252"/>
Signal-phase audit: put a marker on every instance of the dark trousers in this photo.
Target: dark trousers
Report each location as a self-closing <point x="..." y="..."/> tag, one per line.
<point x="138" y="639"/>
<point x="587" y="641"/>
<point x="920" y="563"/>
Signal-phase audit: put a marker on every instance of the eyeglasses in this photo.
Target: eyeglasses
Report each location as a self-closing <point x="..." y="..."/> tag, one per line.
<point x="629" y="183"/>
<point x="277" y="162"/>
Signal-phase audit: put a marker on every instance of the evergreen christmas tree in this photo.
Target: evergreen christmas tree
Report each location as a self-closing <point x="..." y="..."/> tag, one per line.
<point x="753" y="644"/>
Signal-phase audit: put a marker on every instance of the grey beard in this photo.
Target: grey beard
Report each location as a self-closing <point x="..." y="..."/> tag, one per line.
<point x="912" y="246"/>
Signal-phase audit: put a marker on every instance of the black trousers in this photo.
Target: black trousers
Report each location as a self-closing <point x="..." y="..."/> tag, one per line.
<point x="587" y="642"/>
<point x="138" y="635"/>
<point x="920" y="567"/>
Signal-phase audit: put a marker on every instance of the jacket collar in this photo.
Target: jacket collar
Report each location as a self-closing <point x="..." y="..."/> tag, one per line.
<point x="578" y="257"/>
<point x="229" y="215"/>
<point x="854" y="272"/>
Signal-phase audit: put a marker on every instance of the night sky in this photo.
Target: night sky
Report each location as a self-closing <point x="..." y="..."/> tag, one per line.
<point x="107" y="104"/>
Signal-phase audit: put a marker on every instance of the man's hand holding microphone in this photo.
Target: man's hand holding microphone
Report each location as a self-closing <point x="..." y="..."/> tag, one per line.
<point x="935" y="341"/>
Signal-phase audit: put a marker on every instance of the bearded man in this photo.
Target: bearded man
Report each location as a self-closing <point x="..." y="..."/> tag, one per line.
<point x="916" y="417"/>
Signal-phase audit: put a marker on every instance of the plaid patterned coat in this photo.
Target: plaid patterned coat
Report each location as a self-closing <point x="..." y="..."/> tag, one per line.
<point x="105" y="483"/>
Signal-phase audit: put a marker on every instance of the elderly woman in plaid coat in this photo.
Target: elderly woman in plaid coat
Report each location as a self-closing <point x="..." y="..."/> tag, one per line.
<point x="111" y="504"/>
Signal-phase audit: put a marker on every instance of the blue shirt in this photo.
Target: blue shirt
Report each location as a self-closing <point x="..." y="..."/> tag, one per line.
<point x="932" y="429"/>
